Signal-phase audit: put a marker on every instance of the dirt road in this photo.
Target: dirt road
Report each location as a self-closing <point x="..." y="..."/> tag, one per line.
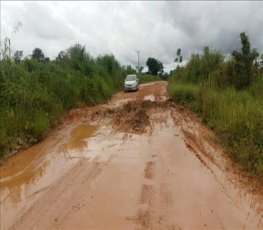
<point x="137" y="162"/>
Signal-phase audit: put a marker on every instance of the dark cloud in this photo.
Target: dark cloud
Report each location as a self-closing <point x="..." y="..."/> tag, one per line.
<point x="157" y="29"/>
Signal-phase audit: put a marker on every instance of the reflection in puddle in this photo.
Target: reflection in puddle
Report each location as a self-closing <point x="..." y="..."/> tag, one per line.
<point x="21" y="170"/>
<point x="13" y="187"/>
<point x="78" y="135"/>
<point x="22" y="161"/>
<point x="34" y="168"/>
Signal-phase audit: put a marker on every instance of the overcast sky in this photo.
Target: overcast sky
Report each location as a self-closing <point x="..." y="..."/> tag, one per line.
<point x="156" y="29"/>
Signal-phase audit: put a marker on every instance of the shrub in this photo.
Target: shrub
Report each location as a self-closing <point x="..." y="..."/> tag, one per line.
<point x="35" y="94"/>
<point x="228" y="96"/>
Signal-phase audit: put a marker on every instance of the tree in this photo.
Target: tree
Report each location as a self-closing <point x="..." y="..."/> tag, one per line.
<point x="6" y="51"/>
<point x="46" y="59"/>
<point x="18" y="56"/>
<point x="61" y="55"/>
<point x="38" y="54"/>
<point x="179" y="57"/>
<point x="154" y="65"/>
<point x="129" y="70"/>
<point x="109" y="62"/>
<point x="261" y="63"/>
<point x="139" y="70"/>
<point x="164" y="76"/>
<point x="77" y="52"/>
<point x="244" y="63"/>
<point x="78" y="58"/>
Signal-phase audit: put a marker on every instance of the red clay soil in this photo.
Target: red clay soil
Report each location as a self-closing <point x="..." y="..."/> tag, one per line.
<point x="137" y="162"/>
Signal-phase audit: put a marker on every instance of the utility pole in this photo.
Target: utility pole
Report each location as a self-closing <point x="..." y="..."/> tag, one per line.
<point x="138" y="62"/>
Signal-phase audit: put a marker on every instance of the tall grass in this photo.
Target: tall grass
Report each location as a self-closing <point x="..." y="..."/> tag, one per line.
<point x="35" y="95"/>
<point x="184" y="93"/>
<point x="238" y="117"/>
<point x="235" y="115"/>
<point x="144" y="78"/>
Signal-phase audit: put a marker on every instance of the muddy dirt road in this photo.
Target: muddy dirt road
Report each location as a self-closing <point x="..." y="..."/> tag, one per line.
<point x="137" y="162"/>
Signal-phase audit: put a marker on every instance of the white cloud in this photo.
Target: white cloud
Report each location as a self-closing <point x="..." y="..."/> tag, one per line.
<point x="157" y="29"/>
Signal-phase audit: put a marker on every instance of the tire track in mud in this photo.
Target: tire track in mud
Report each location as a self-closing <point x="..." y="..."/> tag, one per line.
<point x="144" y="214"/>
<point x="147" y="196"/>
<point x="166" y="195"/>
<point x="155" y="199"/>
<point x="77" y="177"/>
<point x="165" y="199"/>
<point x="149" y="170"/>
<point x="229" y="175"/>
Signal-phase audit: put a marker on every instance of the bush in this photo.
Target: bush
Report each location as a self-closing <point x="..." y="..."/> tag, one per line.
<point x="237" y="116"/>
<point x="183" y="92"/>
<point x="144" y="78"/>
<point x="212" y="88"/>
<point x="35" y="94"/>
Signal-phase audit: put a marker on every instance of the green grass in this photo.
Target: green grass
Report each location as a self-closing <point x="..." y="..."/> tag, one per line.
<point x="184" y="93"/>
<point x="35" y="95"/>
<point x="228" y="96"/>
<point x="236" y="116"/>
<point x="144" y="78"/>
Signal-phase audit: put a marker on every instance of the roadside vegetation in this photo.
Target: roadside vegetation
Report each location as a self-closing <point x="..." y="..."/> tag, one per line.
<point x="144" y="78"/>
<point x="227" y="93"/>
<point x="36" y="92"/>
<point x="150" y="75"/>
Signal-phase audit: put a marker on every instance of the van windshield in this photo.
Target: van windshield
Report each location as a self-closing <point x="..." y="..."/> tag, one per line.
<point x="130" y="78"/>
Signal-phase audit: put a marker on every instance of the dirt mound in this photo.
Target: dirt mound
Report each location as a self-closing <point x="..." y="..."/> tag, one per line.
<point x="132" y="117"/>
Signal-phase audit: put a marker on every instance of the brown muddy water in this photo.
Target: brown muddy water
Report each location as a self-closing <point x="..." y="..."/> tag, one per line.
<point x="78" y="135"/>
<point x="30" y="172"/>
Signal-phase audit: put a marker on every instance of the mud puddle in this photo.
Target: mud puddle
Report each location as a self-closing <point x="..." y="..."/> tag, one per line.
<point x="78" y="136"/>
<point x="25" y="176"/>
